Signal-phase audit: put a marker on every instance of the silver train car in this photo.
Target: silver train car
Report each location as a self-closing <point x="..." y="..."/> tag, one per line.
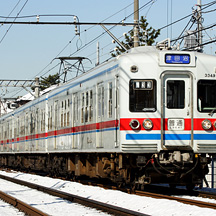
<point x="147" y="116"/>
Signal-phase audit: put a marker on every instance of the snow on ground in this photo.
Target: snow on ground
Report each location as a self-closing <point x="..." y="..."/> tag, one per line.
<point x="51" y="205"/>
<point x="6" y="209"/>
<point x="140" y="204"/>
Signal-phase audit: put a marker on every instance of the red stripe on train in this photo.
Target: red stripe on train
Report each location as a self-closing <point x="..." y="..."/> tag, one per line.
<point x="197" y="123"/>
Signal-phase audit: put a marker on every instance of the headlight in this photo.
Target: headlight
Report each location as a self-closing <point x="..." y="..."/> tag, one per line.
<point x="206" y="124"/>
<point x="215" y="124"/>
<point x="147" y="124"/>
<point x="134" y="124"/>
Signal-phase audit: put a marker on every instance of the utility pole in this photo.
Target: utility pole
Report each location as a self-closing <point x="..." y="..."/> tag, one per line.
<point x="37" y="85"/>
<point x="136" y="21"/>
<point x="199" y="24"/>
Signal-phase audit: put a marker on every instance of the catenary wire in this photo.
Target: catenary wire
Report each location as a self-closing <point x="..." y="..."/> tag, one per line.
<point x="161" y="28"/>
<point x="90" y="42"/>
<point x="75" y="36"/>
<point x="12" y="11"/>
<point x="13" y="21"/>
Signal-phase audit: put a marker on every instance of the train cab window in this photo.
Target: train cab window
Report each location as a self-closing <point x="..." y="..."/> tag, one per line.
<point x="142" y="96"/>
<point x="175" y="94"/>
<point x="206" y="96"/>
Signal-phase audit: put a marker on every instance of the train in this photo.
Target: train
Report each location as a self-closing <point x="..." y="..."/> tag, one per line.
<point x="146" y="116"/>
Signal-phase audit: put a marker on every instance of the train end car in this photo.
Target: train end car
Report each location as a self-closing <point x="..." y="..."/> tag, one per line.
<point x="167" y="120"/>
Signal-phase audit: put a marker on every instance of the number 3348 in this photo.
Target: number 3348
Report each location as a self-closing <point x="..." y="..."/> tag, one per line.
<point x="209" y="75"/>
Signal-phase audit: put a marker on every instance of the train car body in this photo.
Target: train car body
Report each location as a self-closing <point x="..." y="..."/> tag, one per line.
<point x="146" y="116"/>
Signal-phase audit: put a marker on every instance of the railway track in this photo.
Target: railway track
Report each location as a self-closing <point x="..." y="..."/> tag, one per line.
<point x="162" y="196"/>
<point x="24" y="207"/>
<point x="108" y="208"/>
<point x="70" y="197"/>
<point x="182" y="200"/>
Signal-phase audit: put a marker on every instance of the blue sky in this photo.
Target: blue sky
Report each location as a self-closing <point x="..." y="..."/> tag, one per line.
<point x="28" y="50"/>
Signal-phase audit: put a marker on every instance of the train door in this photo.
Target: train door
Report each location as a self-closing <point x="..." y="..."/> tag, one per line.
<point x="26" y="132"/>
<point x="55" y="123"/>
<point x="177" y="112"/>
<point x="31" y="124"/>
<point x="100" y="115"/>
<point x="37" y="129"/>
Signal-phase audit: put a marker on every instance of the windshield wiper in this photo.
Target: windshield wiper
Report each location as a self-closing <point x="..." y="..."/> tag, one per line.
<point x="212" y="112"/>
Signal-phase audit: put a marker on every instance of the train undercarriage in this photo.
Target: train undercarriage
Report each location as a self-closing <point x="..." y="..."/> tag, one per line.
<point x="137" y="170"/>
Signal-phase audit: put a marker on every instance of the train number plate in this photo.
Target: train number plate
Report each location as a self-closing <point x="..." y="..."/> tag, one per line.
<point x="175" y="124"/>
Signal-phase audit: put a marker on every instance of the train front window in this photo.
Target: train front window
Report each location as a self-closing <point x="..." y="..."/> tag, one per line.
<point x="175" y="94"/>
<point x="142" y="96"/>
<point x="206" y="96"/>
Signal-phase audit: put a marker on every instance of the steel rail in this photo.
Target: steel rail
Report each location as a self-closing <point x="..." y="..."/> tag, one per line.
<point x="24" y="207"/>
<point x="182" y="200"/>
<point x="161" y="196"/>
<point x="78" y="199"/>
<point x="206" y="194"/>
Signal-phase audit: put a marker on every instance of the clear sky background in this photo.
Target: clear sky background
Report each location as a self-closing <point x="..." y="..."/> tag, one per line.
<point x="27" y="51"/>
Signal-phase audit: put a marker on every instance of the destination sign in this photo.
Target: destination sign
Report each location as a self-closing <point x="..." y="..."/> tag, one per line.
<point x="177" y="58"/>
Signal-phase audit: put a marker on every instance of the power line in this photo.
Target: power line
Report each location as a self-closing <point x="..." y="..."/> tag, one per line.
<point x="12" y="10"/>
<point x="90" y="42"/>
<point x="196" y="31"/>
<point x="13" y="21"/>
<point x="65" y="23"/>
<point x="81" y="33"/>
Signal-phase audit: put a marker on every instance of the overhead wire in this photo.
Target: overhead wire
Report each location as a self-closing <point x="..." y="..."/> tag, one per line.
<point x="84" y="46"/>
<point x="13" y="21"/>
<point x="142" y="7"/>
<point x="11" y="11"/>
<point x="103" y="33"/>
<point x="75" y="36"/>
<point x="185" y="17"/>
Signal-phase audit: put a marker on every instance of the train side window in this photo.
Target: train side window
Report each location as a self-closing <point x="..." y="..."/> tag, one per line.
<point x="102" y="100"/>
<point x="86" y="107"/>
<point x="22" y="130"/>
<point x="99" y="102"/>
<point x="206" y="96"/>
<point x="61" y="119"/>
<point x="44" y="114"/>
<point x="110" y="102"/>
<point x="49" y="119"/>
<point x="64" y="119"/>
<point x="65" y="107"/>
<point x="175" y="94"/>
<point x="83" y="108"/>
<point x="75" y="107"/>
<point x="62" y="115"/>
<point x="51" y="114"/>
<point x="142" y="96"/>
<point x="27" y="125"/>
<point x="91" y="106"/>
